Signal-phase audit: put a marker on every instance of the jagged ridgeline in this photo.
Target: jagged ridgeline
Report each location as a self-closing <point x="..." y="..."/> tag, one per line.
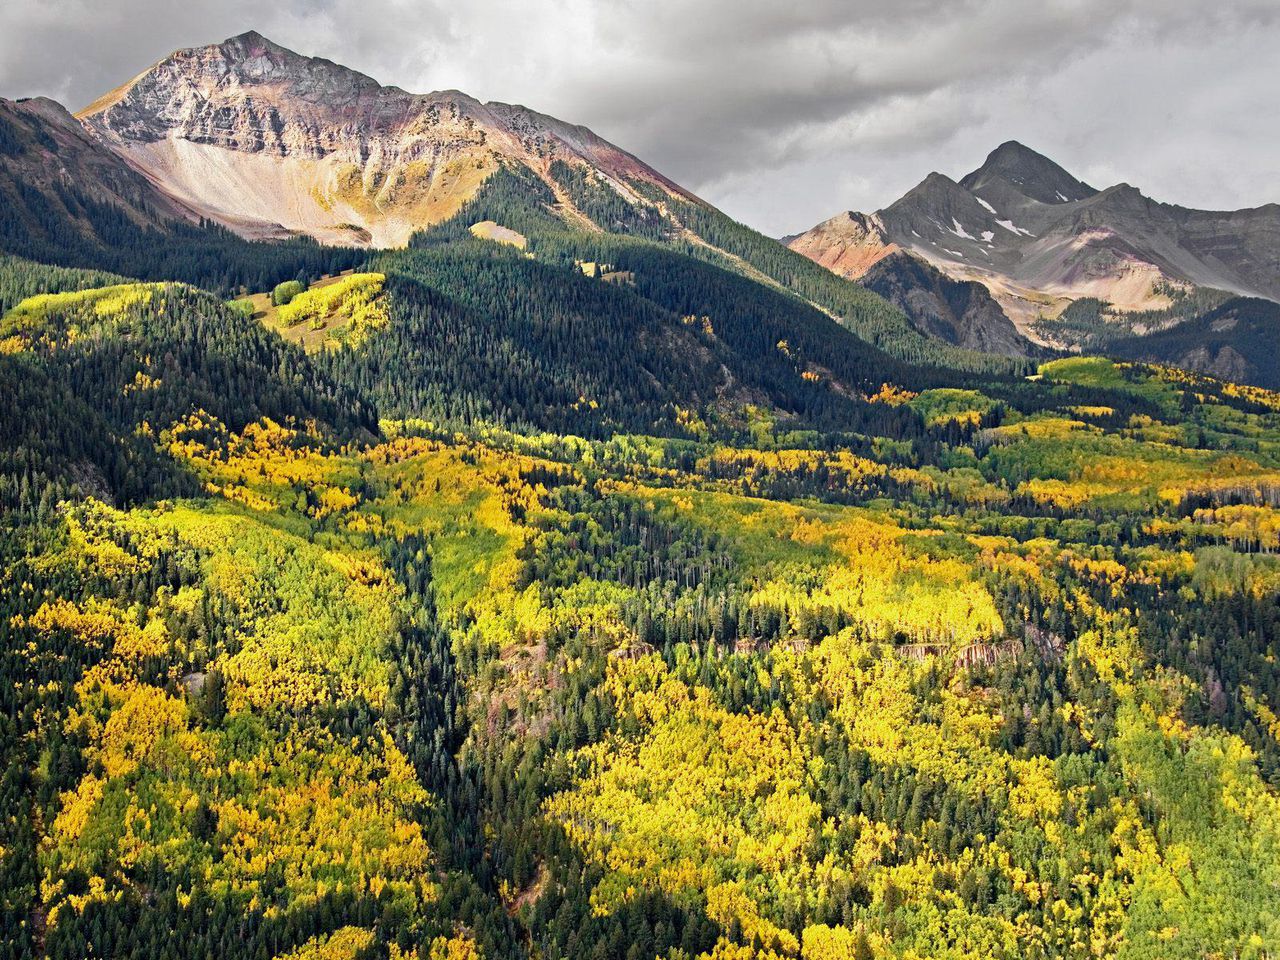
<point x="1020" y="255"/>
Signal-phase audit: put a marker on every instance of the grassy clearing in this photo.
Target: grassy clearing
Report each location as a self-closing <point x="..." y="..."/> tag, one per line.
<point x="332" y="312"/>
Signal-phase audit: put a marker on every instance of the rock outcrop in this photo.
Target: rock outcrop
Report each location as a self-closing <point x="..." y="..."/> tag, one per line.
<point x="960" y="312"/>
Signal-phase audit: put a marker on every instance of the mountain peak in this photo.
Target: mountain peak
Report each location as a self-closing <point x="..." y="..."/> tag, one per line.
<point x="271" y="142"/>
<point x="1031" y="174"/>
<point x="254" y="58"/>
<point x="936" y="197"/>
<point x="934" y="185"/>
<point x="1014" y="151"/>
<point x="249" y="37"/>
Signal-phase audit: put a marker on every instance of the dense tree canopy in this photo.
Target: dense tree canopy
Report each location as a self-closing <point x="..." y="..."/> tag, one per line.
<point x="593" y="599"/>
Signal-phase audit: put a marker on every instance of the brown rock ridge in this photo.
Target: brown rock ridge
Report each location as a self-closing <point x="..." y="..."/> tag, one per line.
<point x="848" y="244"/>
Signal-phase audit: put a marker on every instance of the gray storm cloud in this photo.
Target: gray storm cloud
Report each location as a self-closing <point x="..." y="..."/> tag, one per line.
<point x="781" y="115"/>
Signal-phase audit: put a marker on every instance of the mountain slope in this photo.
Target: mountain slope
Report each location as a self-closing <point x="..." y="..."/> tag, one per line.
<point x="45" y="149"/>
<point x="98" y="364"/>
<point x="594" y="333"/>
<point x="66" y="199"/>
<point x="1235" y="341"/>
<point x="55" y="176"/>
<point x="858" y="247"/>
<point x="270" y="143"/>
<point x="961" y="312"/>
<point x="848" y="244"/>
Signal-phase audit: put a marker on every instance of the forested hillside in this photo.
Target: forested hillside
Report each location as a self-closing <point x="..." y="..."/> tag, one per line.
<point x="596" y="600"/>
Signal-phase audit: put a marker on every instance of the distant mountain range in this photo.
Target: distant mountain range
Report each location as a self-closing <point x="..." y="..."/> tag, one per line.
<point x="1019" y="258"/>
<point x="268" y="144"/>
<point x="1042" y="241"/>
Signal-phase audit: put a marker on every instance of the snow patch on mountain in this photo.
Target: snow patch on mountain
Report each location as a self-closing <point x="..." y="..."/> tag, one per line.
<point x="1014" y="228"/>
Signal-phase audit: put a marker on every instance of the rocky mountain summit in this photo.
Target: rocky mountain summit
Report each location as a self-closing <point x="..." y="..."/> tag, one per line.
<point x="269" y="143"/>
<point x="1039" y="238"/>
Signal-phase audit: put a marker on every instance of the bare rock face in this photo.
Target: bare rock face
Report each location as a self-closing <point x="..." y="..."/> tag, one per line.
<point x="269" y="143"/>
<point x="1039" y="238"/>
<point x="960" y="312"/>
<point x="848" y="244"/>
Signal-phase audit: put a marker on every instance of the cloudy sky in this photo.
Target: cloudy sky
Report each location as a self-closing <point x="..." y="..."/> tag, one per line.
<point x="781" y="114"/>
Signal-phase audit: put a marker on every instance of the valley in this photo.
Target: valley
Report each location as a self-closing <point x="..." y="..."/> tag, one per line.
<point x="430" y="533"/>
